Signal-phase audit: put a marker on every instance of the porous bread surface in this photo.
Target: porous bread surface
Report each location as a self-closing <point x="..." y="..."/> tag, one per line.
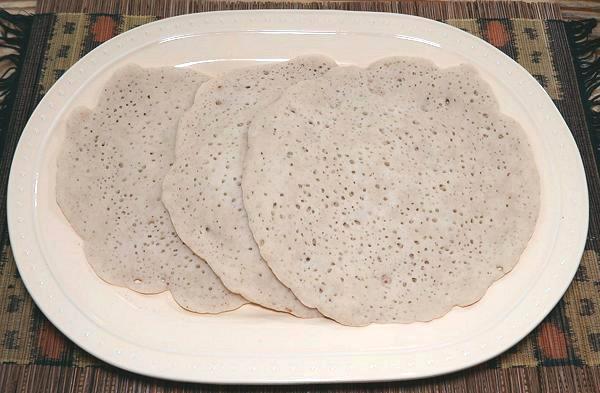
<point x="110" y="171"/>
<point x="389" y="194"/>
<point x="202" y="191"/>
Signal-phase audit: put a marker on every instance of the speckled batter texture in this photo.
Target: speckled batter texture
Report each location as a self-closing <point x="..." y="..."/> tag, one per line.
<point x="389" y="194"/>
<point x="203" y="189"/>
<point x="110" y="171"/>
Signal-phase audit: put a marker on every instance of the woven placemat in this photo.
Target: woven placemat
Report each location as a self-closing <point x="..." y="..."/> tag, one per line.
<point x="562" y="354"/>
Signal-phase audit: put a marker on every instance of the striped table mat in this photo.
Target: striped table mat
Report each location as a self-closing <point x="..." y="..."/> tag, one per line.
<point x="562" y="354"/>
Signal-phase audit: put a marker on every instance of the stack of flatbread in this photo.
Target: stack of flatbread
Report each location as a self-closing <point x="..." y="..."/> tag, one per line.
<point x="366" y="195"/>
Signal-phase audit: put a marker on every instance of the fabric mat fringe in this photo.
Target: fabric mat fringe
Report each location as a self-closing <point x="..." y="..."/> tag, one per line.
<point x="14" y="34"/>
<point x="586" y="58"/>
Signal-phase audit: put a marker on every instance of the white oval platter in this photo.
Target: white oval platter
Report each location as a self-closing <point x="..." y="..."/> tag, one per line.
<point x="151" y="335"/>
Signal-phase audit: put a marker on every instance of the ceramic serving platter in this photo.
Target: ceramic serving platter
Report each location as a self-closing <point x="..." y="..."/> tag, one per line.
<point x="151" y="335"/>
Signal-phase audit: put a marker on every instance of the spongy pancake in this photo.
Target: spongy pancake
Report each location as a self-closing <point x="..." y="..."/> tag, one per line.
<point x="203" y="191"/>
<point x="392" y="193"/>
<point x="110" y="171"/>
